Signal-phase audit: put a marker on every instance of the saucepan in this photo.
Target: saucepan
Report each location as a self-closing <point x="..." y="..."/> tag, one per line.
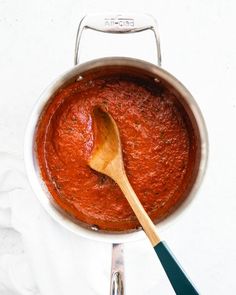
<point x="121" y="23"/>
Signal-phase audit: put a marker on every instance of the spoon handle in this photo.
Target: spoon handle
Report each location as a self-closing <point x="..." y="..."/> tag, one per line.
<point x="177" y="277"/>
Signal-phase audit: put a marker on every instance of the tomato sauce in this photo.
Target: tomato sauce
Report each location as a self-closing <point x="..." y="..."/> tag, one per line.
<point x="158" y="145"/>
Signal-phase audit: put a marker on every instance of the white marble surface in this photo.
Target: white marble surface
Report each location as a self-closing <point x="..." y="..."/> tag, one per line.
<point x="198" y="43"/>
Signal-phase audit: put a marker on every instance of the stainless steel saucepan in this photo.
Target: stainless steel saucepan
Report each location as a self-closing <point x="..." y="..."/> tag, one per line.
<point x="122" y="24"/>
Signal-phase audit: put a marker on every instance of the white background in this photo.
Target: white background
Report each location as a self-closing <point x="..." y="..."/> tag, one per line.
<point x="198" y="42"/>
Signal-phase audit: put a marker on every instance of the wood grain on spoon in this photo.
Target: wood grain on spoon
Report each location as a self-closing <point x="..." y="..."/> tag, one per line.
<point x="107" y="158"/>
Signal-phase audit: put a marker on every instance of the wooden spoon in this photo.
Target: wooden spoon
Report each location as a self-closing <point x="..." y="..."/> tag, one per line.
<point x="107" y="158"/>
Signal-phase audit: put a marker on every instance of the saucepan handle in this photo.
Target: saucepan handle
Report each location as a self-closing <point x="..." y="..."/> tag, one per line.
<point x="119" y="24"/>
<point x="117" y="270"/>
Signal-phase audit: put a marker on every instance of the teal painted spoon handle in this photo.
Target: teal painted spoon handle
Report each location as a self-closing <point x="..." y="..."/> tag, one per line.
<point x="177" y="277"/>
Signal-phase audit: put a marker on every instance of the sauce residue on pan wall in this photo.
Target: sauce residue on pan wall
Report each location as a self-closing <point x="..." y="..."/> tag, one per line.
<point x="158" y="144"/>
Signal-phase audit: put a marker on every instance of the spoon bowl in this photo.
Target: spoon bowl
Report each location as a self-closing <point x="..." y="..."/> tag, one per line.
<point x="107" y="150"/>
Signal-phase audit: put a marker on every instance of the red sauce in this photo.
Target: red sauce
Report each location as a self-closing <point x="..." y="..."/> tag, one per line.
<point x="158" y="149"/>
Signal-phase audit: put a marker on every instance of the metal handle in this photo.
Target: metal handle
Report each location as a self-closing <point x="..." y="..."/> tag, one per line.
<point x="119" y="24"/>
<point x="117" y="270"/>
